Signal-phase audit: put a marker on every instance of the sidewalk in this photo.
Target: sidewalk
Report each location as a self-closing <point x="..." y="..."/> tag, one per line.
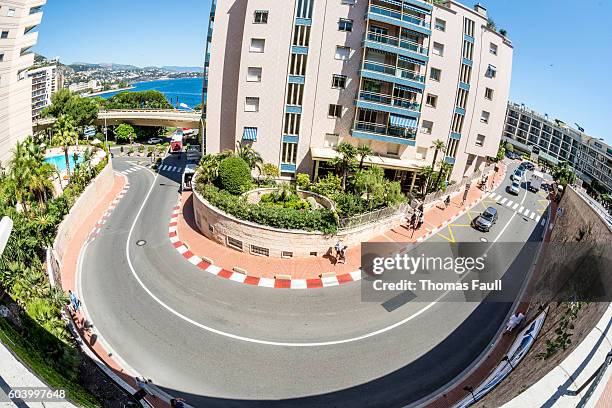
<point x="311" y="268"/>
<point x="13" y="374"/>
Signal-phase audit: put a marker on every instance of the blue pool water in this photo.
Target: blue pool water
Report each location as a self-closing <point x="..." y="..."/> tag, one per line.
<point x="59" y="161"/>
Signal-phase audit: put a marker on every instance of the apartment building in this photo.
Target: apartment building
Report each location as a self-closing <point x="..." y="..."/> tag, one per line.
<point x="553" y="141"/>
<point x="295" y="78"/>
<point x="18" y="22"/>
<point x="46" y="81"/>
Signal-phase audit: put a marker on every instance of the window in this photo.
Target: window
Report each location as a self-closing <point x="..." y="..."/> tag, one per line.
<point x="435" y="74"/>
<point x="339" y="81"/>
<point x="254" y="74"/>
<point x="261" y="17"/>
<point x="491" y="72"/>
<point x="438" y="49"/>
<point x="421" y="153"/>
<point x="343" y="53"/>
<point x="301" y="36"/>
<point x="234" y="243"/>
<point x="426" y="127"/>
<point x="4" y="34"/>
<point x="1" y="57"/>
<point x="493" y="48"/>
<point x="10" y="12"/>
<point x="257" y="250"/>
<point x="489" y="94"/>
<point x="292" y="123"/>
<point x="432" y="100"/>
<point x="345" y="24"/>
<point x="335" y="111"/>
<point x="286" y="254"/>
<point x="295" y="94"/>
<point x="440" y="25"/>
<point x="251" y="104"/>
<point x="331" y="140"/>
<point x="297" y="64"/>
<point x="484" y="117"/>
<point x="257" y="45"/>
<point x="289" y="153"/>
<point x="480" y="139"/>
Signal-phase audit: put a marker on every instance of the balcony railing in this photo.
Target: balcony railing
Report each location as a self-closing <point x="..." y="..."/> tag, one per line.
<point x="398" y="15"/>
<point x="393" y="71"/>
<point x="378" y="128"/>
<point x="397" y="42"/>
<point x="388" y="100"/>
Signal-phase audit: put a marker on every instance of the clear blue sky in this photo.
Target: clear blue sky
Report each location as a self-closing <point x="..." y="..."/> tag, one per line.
<point x="562" y="54"/>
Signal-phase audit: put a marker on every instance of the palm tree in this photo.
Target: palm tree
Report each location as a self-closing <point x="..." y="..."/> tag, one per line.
<point x="363" y="151"/>
<point x="439" y="146"/>
<point x="65" y="136"/>
<point x="445" y="169"/>
<point x="249" y="155"/>
<point x="426" y="172"/>
<point x="343" y="164"/>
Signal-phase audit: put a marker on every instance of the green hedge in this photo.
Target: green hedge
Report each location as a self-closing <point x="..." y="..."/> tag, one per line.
<point x="323" y="220"/>
<point x="234" y="175"/>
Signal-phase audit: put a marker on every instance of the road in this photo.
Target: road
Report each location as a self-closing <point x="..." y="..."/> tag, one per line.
<point x="218" y="343"/>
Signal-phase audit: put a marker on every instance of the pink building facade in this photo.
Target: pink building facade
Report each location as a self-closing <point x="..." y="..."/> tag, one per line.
<point x="295" y="78"/>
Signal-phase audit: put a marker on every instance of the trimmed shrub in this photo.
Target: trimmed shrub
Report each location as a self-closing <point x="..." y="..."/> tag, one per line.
<point x="234" y="175"/>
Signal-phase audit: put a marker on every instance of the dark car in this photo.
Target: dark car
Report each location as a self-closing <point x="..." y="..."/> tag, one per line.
<point x="526" y="166"/>
<point x="486" y="220"/>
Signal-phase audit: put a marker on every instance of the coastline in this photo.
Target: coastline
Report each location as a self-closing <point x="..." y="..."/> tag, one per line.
<point x="108" y="91"/>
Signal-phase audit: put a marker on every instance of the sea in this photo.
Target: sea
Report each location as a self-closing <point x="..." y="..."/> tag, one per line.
<point x="177" y="91"/>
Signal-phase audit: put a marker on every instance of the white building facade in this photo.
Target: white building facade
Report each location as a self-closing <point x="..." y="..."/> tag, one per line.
<point x="18" y="21"/>
<point x="295" y="78"/>
<point x="45" y="82"/>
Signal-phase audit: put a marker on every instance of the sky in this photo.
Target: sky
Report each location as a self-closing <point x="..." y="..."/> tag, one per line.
<point x="562" y="48"/>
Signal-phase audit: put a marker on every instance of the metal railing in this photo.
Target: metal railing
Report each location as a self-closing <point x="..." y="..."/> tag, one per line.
<point x="398" y="15"/>
<point x="388" y="100"/>
<point x="397" y="42"/>
<point x="374" y="216"/>
<point x="393" y="71"/>
<point x="454" y="188"/>
<point x="378" y="128"/>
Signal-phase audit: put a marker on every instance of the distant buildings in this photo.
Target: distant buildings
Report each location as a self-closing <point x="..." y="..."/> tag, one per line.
<point x="45" y="82"/>
<point x="18" y="20"/>
<point x="553" y="141"/>
<point x="93" y="85"/>
<point x="294" y="78"/>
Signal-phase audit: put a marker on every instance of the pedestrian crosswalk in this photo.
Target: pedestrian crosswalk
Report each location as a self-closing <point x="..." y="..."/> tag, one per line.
<point x="131" y="170"/>
<point x="167" y="167"/>
<point x="526" y="212"/>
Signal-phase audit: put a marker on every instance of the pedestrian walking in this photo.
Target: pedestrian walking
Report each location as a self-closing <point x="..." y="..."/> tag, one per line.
<point x="447" y="201"/>
<point x="421" y="219"/>
<point x="74" y="301"/>
<point x="514" y="321"/>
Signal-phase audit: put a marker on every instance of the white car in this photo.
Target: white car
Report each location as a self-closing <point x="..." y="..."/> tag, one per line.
<point x="514" y="188"/>
<point x="155" y="140"/>
<point x="517" y="175"/>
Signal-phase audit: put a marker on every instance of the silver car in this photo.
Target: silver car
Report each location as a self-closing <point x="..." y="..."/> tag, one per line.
<point x="514" y="188"/>
<point x="517" y="175"/>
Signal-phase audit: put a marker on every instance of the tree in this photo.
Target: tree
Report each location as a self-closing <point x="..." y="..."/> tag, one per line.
<point x="82" y="111"/>
<point x="234" y="175"/>
<point x="503" y="32"/>
<point x="303" y="181"/>
<point x="65" y="135"/>
<point x="138" y="100"/>
<point x="270" y="171"/>
<point x="509" y="147"/>
<point x="124" y="132"/>
<point x="491" y="24"/>
<point x="439" y="146"/>
<point x="346" y="161"/>
<point x="445" y="169"/>
<point x="208" y="170"/>
<point x="250" y="156"/>
<point x="371" y="183"/>
<point x="501" y="152"/>
<point x="563" y="174"/>
<point x="363" y="151"/>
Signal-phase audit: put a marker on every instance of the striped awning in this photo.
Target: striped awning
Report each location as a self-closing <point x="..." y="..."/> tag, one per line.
<point x="250" y="133"/>
<point x="411" y="60"/>
<point x="417" y="9"/>
<point x="402" y="121"/>
<point x="408" y="88"/>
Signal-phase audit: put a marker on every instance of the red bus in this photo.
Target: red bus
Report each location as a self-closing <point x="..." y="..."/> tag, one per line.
<point x="176" y="144"/>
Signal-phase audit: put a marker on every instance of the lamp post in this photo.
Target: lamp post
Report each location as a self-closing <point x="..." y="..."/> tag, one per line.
<point x="6" y="226"/>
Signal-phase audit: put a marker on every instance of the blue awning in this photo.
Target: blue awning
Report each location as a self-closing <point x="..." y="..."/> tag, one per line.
<point x="411" y="60"/>
<point x="402" y="121"/>
<point x="417" y="9"/>
<point x="408" y="88"/>
<point x="250" y="133"/>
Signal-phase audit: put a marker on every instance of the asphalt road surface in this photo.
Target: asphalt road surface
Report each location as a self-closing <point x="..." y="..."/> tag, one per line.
<point x="219" y="343"/>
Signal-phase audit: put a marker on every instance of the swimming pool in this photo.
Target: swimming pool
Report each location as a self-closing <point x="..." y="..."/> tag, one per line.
<point x="59" y="161"/>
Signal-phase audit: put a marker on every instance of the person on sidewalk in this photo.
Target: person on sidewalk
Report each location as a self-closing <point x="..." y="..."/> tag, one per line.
<point x="447" y="201"/>
<point x="421" y="219"/>
<point x="514" y="321"/>
<point x="74" y="301"/>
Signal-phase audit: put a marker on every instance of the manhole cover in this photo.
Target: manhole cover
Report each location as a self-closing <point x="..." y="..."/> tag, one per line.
<point x="483" y="239"/>
<point x="142" y="242"/>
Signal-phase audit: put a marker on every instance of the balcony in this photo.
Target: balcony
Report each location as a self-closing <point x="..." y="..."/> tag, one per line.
<point x="396" y="45"/>
<point x="387" y="103"/>
<point x="390" y="73"/>
<point x="399" y="18"/>
<point x="384" y="133"/>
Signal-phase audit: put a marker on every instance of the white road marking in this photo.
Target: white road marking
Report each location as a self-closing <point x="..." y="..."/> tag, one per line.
<point x="532" y="216"/>
<point x="538" y="218"/>
<point x="521" y="209"/>
<point x="515" y="206"/>
<point x="503" y="200"/>
<point x="509" y="203"/>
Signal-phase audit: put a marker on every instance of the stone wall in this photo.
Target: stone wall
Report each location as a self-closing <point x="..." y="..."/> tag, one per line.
<point x="87" y="201"/>
<point x="223" y="228"/>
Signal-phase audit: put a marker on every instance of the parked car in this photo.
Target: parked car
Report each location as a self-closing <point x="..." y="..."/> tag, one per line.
<point x="155" y="140"/>
<point x="486" y="220"/>
<point x="517" y="175"/>
<point x="514" y="188"/>
<point x="527" y="165"/>
<point x="512" y="155"/>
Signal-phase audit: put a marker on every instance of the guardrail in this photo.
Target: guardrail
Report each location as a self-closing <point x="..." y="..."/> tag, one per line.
<point x="374" y="216"/>
<point x="438" y="195"/>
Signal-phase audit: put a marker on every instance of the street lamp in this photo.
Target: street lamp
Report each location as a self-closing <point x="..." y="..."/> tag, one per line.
<point x="6" y="226"/>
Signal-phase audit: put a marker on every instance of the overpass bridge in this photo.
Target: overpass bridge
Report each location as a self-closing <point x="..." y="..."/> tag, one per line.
<point x="139" y="117"/>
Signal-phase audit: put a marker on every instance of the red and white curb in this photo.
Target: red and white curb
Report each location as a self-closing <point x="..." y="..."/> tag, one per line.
<point x="464" y="210"/>
<point x="314" y="283"/>
<point x="98" y="227"/>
